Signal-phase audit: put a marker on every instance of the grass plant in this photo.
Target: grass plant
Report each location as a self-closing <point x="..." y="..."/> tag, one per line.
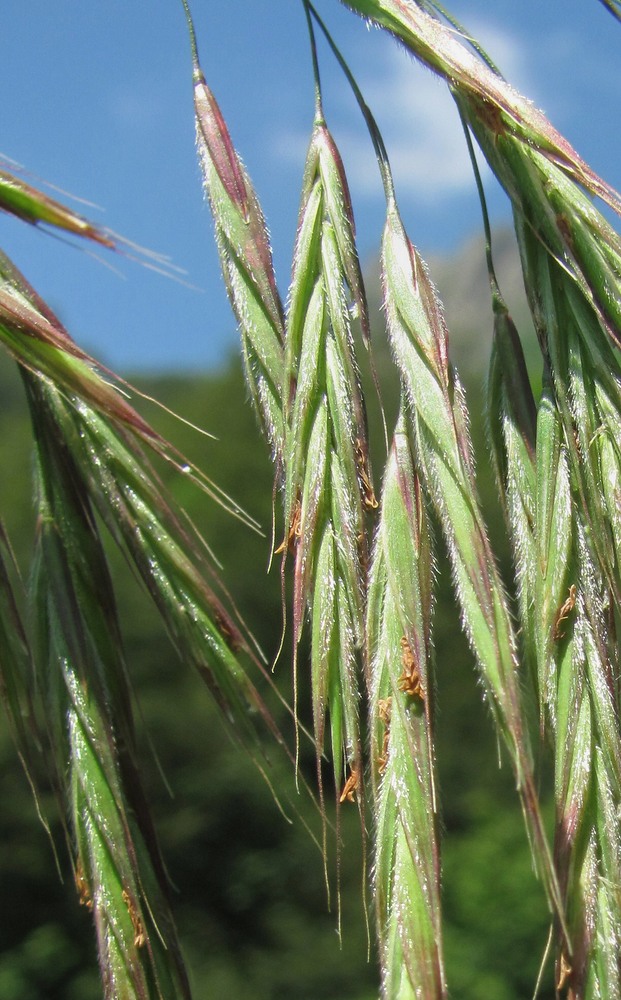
<point x="359" y="569"/>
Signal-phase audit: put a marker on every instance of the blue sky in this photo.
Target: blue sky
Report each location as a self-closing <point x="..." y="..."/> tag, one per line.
<point x="97" y="100"/>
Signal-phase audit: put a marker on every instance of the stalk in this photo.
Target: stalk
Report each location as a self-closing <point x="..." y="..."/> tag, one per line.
<point x="511" y="418"/>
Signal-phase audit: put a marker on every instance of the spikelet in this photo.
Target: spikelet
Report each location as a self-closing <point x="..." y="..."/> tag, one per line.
<point x="328" y="485"/>
<point x="577" y="597"/>
<point x="106" y="437"/>
<point x="419" y="341"/>
<point x="491" y="106"/>
<point x="511" y="420"/>
<point x="246" y="261"/>
<point x="407" y="869"/>
<point x="88" y="730"/>
<point x="31" y="205"/>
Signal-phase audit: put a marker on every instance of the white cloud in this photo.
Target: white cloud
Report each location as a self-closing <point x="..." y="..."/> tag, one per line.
<point x="138" y="103"/>
<point x="419" y="125"/>
<point x="417" y="118"/>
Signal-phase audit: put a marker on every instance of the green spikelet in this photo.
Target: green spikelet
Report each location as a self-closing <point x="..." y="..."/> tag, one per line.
<point x="407" y="869"/>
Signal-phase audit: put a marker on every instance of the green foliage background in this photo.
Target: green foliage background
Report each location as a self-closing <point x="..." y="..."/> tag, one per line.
<point x="251" y="901"/>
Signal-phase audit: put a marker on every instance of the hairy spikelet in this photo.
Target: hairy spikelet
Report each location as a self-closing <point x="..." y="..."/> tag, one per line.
<point x="92" y="458"/>
<point x="586" y="375"/>
<point x="407" y="870"/>
<point x="16" y="663"/>
<point x="89" y="740"/>
<point x="563" y="218"/>
<point x="419" y="341"/>
<point x="166" y="551"/>
<point x="25" y="202"/>
<point x="553" y="535"/>
<point x="587" y="786"/>
<point x="246" y="261"/>
<point x="31" y="205"/>
<point x="567" y="631"/>
<point x="491" y="106"/>
<point x="511" y="417"/>
<point x="37" y="340"/>
<point x="328" y="482"/>
<point x="106" y="437"/>
<point x="577" y="597"/>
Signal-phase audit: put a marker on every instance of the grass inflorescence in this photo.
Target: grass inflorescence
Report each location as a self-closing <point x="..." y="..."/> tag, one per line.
<point x="359" y="567"/>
